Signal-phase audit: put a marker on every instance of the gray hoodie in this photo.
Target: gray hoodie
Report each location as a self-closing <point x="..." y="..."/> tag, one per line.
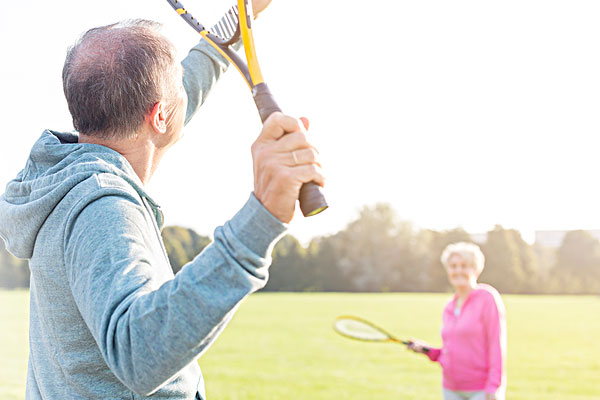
<point x="108" y="320"/>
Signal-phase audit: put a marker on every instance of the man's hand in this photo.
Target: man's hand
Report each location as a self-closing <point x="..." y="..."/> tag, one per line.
<point x="283" y="161"/>
<point x="258" y="6"/>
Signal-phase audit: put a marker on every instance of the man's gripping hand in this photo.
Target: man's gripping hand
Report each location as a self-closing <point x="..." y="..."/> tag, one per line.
<point x="283" y="161"/>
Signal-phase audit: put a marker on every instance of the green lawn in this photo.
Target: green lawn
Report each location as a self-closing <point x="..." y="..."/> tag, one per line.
<point x="14" y="311"/>
<point x="281" y="346"/>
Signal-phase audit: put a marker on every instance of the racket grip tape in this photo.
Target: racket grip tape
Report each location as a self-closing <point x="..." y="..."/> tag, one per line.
<point x="312" y="200"/>
<point x="265" y="102"/>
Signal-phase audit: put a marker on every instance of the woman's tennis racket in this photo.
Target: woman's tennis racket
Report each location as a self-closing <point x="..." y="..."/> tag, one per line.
<point x="360" y="329"/>
<point x="234" y="24"/>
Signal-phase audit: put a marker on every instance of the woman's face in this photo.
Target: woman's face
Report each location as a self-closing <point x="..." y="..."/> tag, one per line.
<point x="461" y="273"/>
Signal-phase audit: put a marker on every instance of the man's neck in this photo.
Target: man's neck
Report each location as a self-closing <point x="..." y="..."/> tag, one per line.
<point x="139" y="150"/>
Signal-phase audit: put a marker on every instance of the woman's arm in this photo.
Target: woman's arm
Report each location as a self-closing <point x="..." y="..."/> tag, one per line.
<point x="419" y="347"/>
<point x="495" y="327"/>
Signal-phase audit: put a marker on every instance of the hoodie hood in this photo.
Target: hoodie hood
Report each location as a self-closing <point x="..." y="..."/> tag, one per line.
<point x="57" y="163"/>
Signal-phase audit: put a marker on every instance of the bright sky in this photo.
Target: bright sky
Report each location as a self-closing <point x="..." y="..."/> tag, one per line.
<point x="457" y="113"/>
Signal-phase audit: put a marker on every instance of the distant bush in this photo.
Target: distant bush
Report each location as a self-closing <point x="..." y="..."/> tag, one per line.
<point x="378" y="252"/>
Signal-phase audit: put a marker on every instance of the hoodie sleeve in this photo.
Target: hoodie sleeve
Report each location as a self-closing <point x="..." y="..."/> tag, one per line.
<point x="495" y="328"/>
<point x="148" y="324"/>
<point x="202" y="67"/>
<point x="433" y="354"/>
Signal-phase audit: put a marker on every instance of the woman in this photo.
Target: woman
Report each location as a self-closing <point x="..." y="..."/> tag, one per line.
<point x="473" y="331"/>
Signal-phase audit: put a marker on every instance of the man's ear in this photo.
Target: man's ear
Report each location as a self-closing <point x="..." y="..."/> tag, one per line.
<point x="158" y="117"/>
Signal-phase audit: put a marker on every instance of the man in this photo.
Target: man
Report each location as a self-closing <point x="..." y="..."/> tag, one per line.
<point x="108" y="319"/>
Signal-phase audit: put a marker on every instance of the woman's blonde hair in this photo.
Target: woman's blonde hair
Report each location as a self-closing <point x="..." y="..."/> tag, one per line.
<point x="468" y="251"/>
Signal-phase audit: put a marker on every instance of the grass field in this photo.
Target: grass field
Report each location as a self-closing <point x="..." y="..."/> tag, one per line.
<point x="281" y="346"/>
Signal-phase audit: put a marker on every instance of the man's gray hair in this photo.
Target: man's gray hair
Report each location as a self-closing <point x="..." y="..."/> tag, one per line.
<point x="468" y="251"/>
<point x="115" y="74"/>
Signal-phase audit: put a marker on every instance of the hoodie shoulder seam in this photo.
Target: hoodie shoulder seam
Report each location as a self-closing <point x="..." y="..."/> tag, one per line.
<point x="97" y="194"/>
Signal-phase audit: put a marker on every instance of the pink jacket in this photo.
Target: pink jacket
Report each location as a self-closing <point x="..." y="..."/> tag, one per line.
<point x="474" y="342"/>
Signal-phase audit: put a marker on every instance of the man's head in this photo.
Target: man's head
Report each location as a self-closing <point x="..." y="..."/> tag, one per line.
<point x="115" y="75"/>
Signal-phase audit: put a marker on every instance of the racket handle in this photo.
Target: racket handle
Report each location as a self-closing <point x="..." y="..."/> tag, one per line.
<point x="312" y="200"/>
<point x="265" y="102"/>
<point x="409" y="342"/>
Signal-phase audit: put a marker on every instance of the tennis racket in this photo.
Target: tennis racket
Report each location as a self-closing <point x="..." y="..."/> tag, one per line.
<point x="361" y="329"/>
<point x="234" y="24"/>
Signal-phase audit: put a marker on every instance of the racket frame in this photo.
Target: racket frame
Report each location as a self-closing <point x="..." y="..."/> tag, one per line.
<point x="222" y="45"/>
<point x="312" y="201"/>
<point x="390" y="337"/>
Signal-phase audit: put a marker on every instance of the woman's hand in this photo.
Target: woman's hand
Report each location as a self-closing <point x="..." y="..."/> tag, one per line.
<point x="490" y="396"/>
<point x="418" y="346"/>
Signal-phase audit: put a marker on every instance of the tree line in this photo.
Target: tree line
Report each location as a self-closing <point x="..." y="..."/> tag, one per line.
<point x="378" y="252"/>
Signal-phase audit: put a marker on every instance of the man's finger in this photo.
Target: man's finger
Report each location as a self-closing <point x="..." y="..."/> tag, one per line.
<point x="302" y="157"/>
<point x="292" y="141"/>
<point x="309" y="173"/>
<point x="279" y="124"/>
<point x="305" y="122"/>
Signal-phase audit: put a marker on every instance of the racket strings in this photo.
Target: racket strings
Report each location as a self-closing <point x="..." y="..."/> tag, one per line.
<point x="227" y="27"/>
<point x="359" y="330"/>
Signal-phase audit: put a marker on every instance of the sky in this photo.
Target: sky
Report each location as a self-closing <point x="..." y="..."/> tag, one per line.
<point x="458" y="114"/>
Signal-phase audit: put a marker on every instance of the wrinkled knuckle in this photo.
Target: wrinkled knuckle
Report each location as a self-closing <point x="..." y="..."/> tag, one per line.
<point x="269" y="123"/>
<point x="275" y="118"/>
